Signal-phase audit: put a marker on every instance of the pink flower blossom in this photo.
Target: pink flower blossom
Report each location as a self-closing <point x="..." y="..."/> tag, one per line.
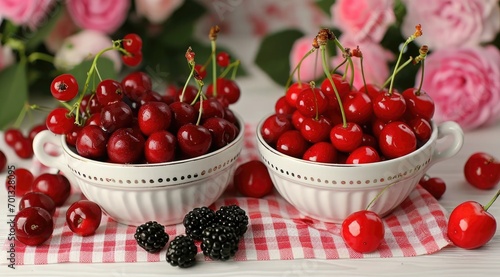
<point x="85" y="45"/>
<point x="375" y="61"/>
<point x="105" y="15"/>
<point x="363" y="19"/>
<point x="157" y="11"/>
<point x="27" y="13"/>
<point x="311" y="67"/>
<point x="6" y="56"/>
<point x="452" y="23"/>
<point x="64" y="28"/>
<point x="465" y="85"/>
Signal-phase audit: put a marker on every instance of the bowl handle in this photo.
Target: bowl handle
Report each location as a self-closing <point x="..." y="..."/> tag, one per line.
<point x="449" y="128"/>
<point x="54" y="161"/>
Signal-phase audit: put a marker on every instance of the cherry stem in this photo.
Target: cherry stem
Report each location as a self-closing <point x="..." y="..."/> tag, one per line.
<point x="214" y="67"/>
<point x="378" y="195"/>
<point x="200" y="95"/>
<point x="37" y="56"/>
<point x="191" y="65"/>
<point x="363" y="73"/>
<point x="348" y="57"/>
<point x="232" y="66"/>
<point x="397" y="71"/>
<point x="329" y="76"/>
<point x="421" y="78"/>
<point x="487" y="206"/>
<point x="297" y="68"/>
<point x="338" y="66"/>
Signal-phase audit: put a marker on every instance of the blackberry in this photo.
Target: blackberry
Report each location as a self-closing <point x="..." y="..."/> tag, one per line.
<point x="151" y="236"/>
<point x="181" y="252"/>
<point x="232" y="216"/>
<point x="197" y="220"/>
<point x="219" y="242"/>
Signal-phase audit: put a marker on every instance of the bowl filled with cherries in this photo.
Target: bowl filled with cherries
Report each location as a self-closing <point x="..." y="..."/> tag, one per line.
<point x="141" y="155"/>
<point x="333" y="150"/>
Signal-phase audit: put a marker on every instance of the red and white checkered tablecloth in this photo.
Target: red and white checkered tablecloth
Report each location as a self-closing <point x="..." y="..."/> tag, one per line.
<point x="277" y="231"/>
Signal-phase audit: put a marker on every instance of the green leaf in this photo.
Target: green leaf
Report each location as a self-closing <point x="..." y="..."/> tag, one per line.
<point x="105" y="67"/>
<point x="14" y="93"/>
<point x="44" y="30"/>
<point x="178" y="29"/>
<point x="273" y="54"/>
<point x="325" y="5"/>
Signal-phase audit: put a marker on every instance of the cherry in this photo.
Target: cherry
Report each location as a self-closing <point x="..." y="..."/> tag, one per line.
<point x="133" y="59"/>
<point x="252" y="179"/>
<point x="418" y="104"/>
<point x="346" y="138"/>
<point x="315" y="130"/>
<point x="358" y="107"/>
<point x="64" y="87"/>
<point x="396" y="140"/>
<point x="33" y="226"/>
<point x="153" y="117"/>
<point x="369" y="140"/>
<point x="434" y="185"/>
<point x="321" y="152"/>
<point x="160" y="147"/>
<point x="200" y="72"/>
<point x="223" y="59"/>
<point x="371" y="90"/>
<point x="342" y="86"/>
<point x="292" y="143"/>
<point x="56" y="186"/>
<point x="293" y="92"/>
<point x="274" y="126"/>
<point x="389" y="106"/>
<point x="362" y="155"/>
<point x="11" y="135"/>
<point x="150" y="96"/>
<point x="108" y="92"/>
<point x="3" y="161"/>
<point x="311" y="102"/>
<point x="91" y="142"/>
<point x="363" y="231"/>
<point x="182" y="113"/>
<point x="125" y="146"/>
<point x="194" y="140"/>
<point x="59" y="121"/>
<point x="210" y="108"/>
<point x="72" y="136"/>
<point x="470" y="225"/>
<point x="132" y="43"/>
<point x="297" y="119"/>
<point x="22" y="179"/>
<point x="189" y="94"/>
<point x="84" y="217"/>
<point x="135" y="84"/>
<point x="115" y="116"/>
<point x="229" y="116"/>
<point x="38" y="199"/>
<point x="223" y="132"/>
<point x="421" y="127"/>
<point x="35" y="129"/>
<point x="481" y="170"/>
<point x="377" y="126"/>
<point x="90" y="105"/>
<point x="282" y="107"/>
<point x="23" y="148"/>
<point x="226" y="88"/>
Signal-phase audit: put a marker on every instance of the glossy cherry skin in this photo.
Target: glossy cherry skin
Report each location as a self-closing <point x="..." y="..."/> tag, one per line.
<point x="282" y="107"/>
<point x="292" y="143"/>
<point x="84" y="217"/>
<point x="35" y="130"/>
<point x="23" y="148"/>
<point x="115" y="116"/>
<point x="311" y="102"/>
<point x="188" y="95"/>
<point x="125" y="146"/>
<point x="422" y="128"/>
<point x="482" y="171"/>
<point x="3" y="161"/>
<point x="223" y="59"/>
<point x="227" y="88"/>
<point x="252" y="179"/>
<point x="133" y="59"/>
<point x="153" y="117"/>
<point x="434" y="185"/>
<point x="342" y="86"/>
<point x="346" y="138"/>
<point x="223" y="132"/>
<point x="59" y="121"/>
<point x="91" y="142"/>
<point x="274" y="126"/>
<point x="64" y="87"/>
<point x="182" y="114"/>
<point x="293" y="92"/>
<point x="22" y="179"/>
<point x="33" y="226"/>
<point x="358" y="107"/>
<point x="389" y="106"/>
<point x="109" y="91"/>
<point x="194" y="140"/>
<point x="363" y="231"/>
<point x="132" y="43"/>
<point x="418" y="104"/>
<point x="56" y="186"/>
<point x="135" y="84"/>
<point x="38" y="199"/>
<point x="160" y="147"/>
<point x="210" y="107"/>
<point x="470" y="226"/>
<point x="321" y="152"/>
<point x="396" y="140"/>
<point x="315" y="130"/>
<point x="11" y="135"/>
<point x="90" y="105"/>
<point x="363" y="155"/>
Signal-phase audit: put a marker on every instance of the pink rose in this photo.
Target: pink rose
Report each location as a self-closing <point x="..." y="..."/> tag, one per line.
<point x="375" y="61"/>
<point x="6" y="56"/>
<point x="452" y="23"/>
<point x="363" y="19"/>
<point x="28" y="13"/>
<point x="157" y="11"/>
<point x="105" y="16"/>
<point x="85" y="45"/>
<point x="64" y="28"/>
<point x="465" y="85"/>
<point x="311" y="67"/>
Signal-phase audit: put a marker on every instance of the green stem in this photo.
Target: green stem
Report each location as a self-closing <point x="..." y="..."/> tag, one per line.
<point x="338" y="66"/>
<point x="487" y="206"/>
<point x="378" y="196"/>
<point x="297" y="67"/>
<point x="37" y="56"/>
<point x="351" y="81"/>
<point x="393" y="76"/>
<point x="342" y="49"/>
<point x="236" y="66"/>
<point x="181" y="98"/>
<point x="214" y="67"/>
<point x="397" y="71"/>
<point x="232" y="66"/>
<point x="200" y="95"/>
<point x="327" y="72"/>
<point x="421" y="78"/>
<point x="363" y="73"/>
<point x="22" y="114"/>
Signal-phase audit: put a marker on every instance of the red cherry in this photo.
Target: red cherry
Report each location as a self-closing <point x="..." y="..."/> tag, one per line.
<point x="342" y="86"/>
<point x="470" y="225"/>
<point x="125" y="146"/>
<point x="435" y="186"/>
<point x="422" y="129"/>
<point x="84" y="217"/>
<point x="160" y="147"/>
<point x="72" y="136"/>
<point x="297" y="119"/>
<point x="134" y="59"/>
<point x="346" y="138"/>
<point x="315" y="130"/>
<point x="153" y="117"/>
<point x="363" y="155"/>
<point x="200" y="72"/>
<point x="189" y="94"/>
<point x="182" y="114"/>
<point x="64" y="87"/>
<point x="358" y="107"/>
<point x="35" y="130"/>
<point x="194" y="140"/>
<point x="3" y="161"/>
<point x="210" y="108"/>
<point x="481" y="170"/>
<point x="389" y="106"/>
<point x="108" y="92"/>
<point x="56" y="186"/>
<point x="38" y="199"/>
<point x="91" y="142"/>
<point x="396" y="140"/>
<point x="321" y="152"/>
<point x="418" y="104"/>
<point x="311" y="102"/>
<point x="135" y="84"/>
<point x="274" y="126"/>
<point x="223" y="59"/>
<point x="371" y="90"/>
<point x="12" y="135"/>
<point x="132" y="43"/>
<point x="33" y="226"/>
<point x="252" y="179"/>
<point x="292" y="143"/>
<point x="369" y="140"/>
<point x="115" y="116"/>
<point x="90" y="105"/>
<point x="223" y="132"/>
<point x="23" y="148"/>
<point x="21" y="179"/>
<point x="59" y="121"/>
<point x="363" y="231"/>
<point x="227" y="88"/>
<point x="282" y="106"/>
<point x="293" y="92"/>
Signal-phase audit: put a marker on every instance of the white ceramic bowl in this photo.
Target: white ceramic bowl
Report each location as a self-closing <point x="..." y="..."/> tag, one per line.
<point x="331" y="192"/>
<point x="133" y="194"/>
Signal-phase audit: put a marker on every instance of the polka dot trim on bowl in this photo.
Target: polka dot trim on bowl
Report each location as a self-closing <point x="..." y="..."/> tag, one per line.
<point x="394" y="177"/>
<point x="169" y="179"/>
